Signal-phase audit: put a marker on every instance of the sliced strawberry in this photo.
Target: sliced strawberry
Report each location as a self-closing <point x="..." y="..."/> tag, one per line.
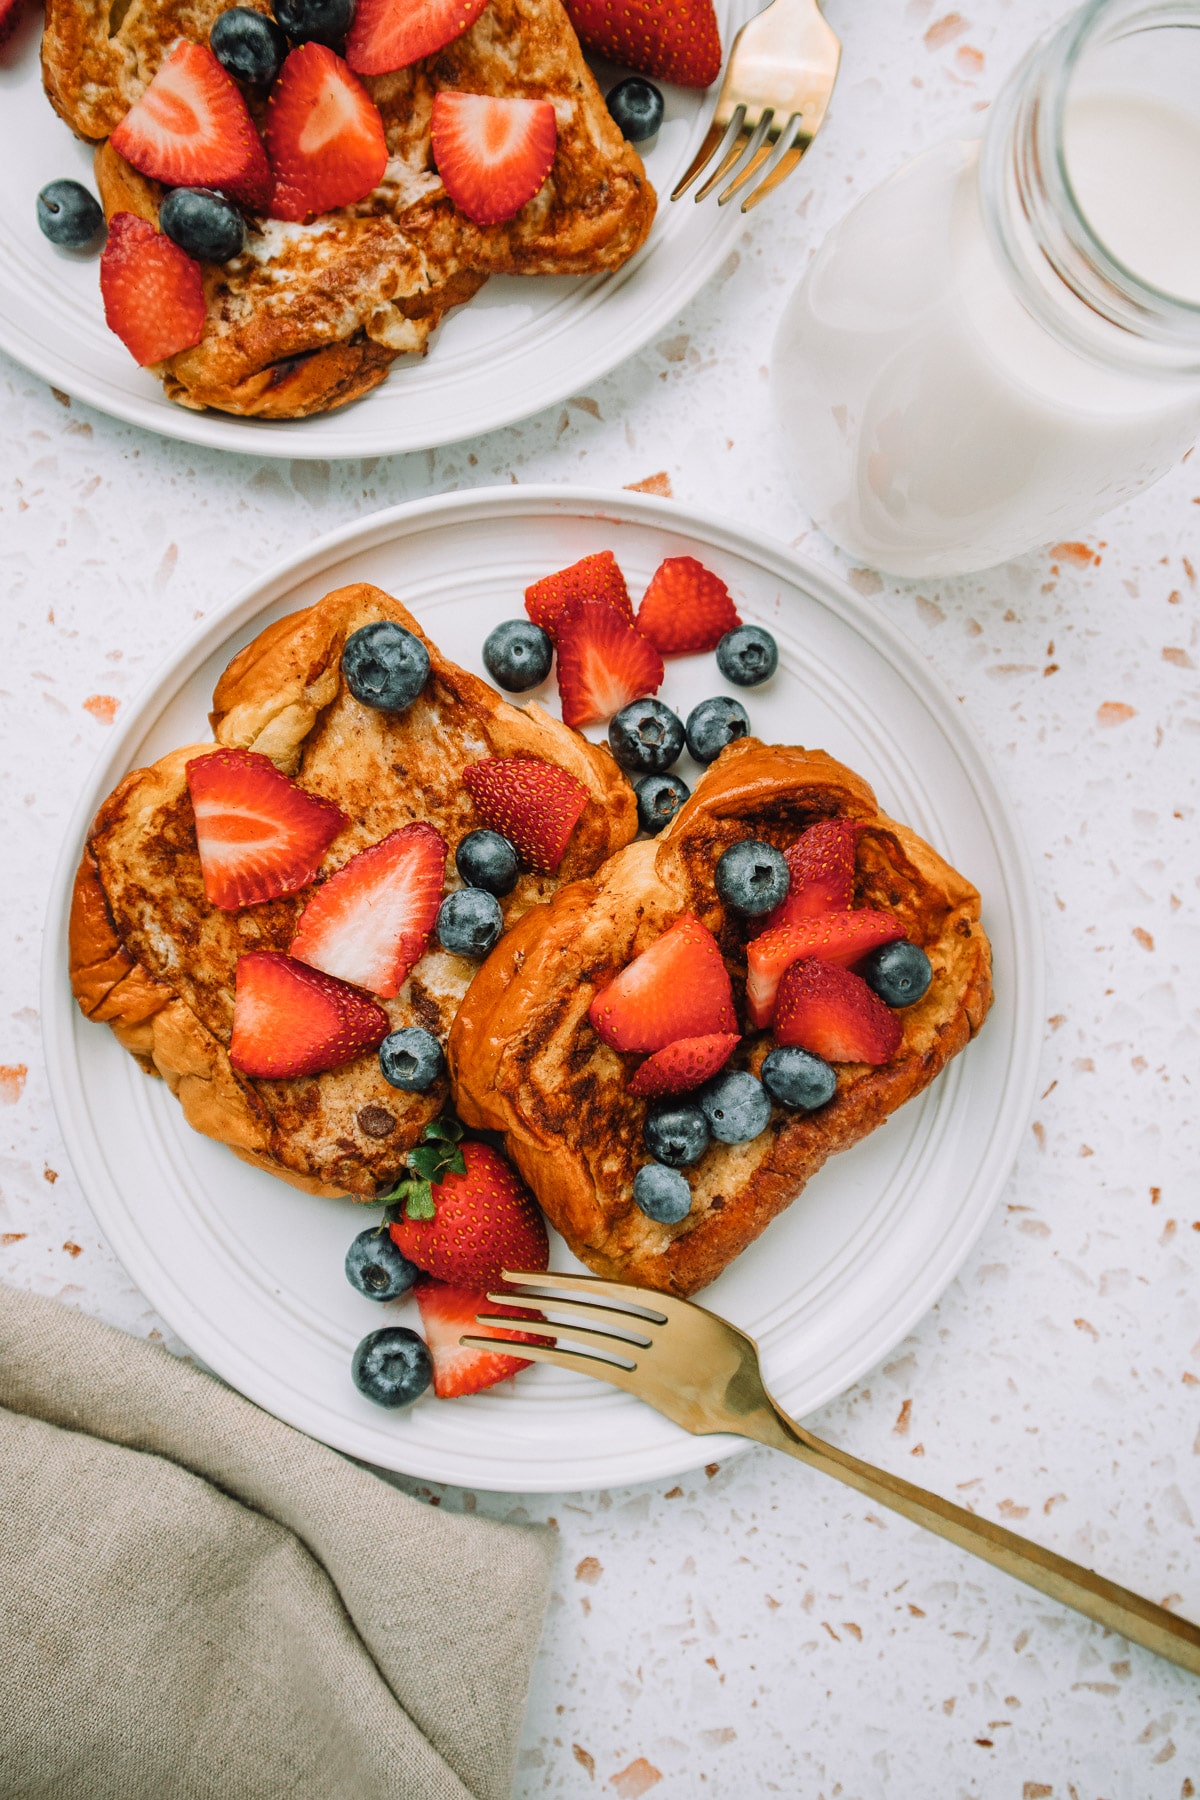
<point x="686" y="608"/>
<point x="679" y="43"/>
<point x="836" y="937"/>
<point x="535" y="804"/>
<point x="191" y="129"/>
<point x="152" y="290"/>
<point x="393" y="34"/>
<point x="678" y="988"/>
<point x="448" y="1313"/>
<point x="324" y="135"/>
<point x="603" y="663"/>
<point x="291" y="1020"/>
<point x="484" y="1221"/>
<point x="832" y="1012"/>
<point x="492" y="154"/>
<point x="592" y="578"/>
<point x="821" y="865"/>
<point x="259" y="835"/>
<point x="371" y="921"/>
<point x="683" y="1064"/>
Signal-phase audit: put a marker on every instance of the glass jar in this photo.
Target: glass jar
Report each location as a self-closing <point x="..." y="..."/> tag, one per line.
<point x="1002" y="341"/>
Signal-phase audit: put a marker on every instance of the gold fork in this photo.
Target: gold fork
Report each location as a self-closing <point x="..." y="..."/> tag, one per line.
<point x="703" y="1373"/>
<point x="773" y="99"/>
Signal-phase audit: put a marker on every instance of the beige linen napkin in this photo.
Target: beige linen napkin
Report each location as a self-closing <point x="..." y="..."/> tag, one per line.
<point x="198" y="1603"/>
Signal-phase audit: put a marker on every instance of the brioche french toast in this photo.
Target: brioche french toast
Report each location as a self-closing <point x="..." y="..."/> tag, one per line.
<point x="526" y="1059"/>
<point x="156" y="960"/>
<point x="311" y="315"/>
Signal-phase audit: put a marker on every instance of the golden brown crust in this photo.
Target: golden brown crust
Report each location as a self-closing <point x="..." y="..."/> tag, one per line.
<point x="525" y="1060"/>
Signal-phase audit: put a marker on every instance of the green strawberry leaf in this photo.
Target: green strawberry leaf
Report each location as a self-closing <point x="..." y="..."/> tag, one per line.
<point x="437" y="1156"/>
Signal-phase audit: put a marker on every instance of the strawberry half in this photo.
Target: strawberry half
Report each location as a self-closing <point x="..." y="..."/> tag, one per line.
<point x="393" y="34"/>
<point x="678" y="988"/>
<point x="679" y="43"/>
<point x="259" y="835"/>
<point x="484" y="1221"/>
<point x="191" y="129"/>
<point x="832" y="1012"/>
<point x="492" y="154"/>
<point x="836" y="937"/>
<point x="371" y="921"/>
<point x="591" y="578"/>
<point x="291" y="1020"/>
<point x="821" y="865"/>
<point x="152" y="290"/>
<point x="686" y="608"/>
<point x="684" y="1064"/>
<point x="447" y="1314"/>
<point x="324" y="136"/>
<point x="535" y="804"/>
<point x="603" y="663"/>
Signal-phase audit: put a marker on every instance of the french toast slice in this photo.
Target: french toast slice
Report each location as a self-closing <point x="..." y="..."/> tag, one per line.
<point x="311" y="316"/>
<point x="525" y="1059"/>
<point x="151" y="958"/>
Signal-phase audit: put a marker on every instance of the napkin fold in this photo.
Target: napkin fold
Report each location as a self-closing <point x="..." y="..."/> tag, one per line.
<point x="199" y="1603"/>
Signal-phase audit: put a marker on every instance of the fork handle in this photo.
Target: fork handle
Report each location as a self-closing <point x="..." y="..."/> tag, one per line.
<point x="1137" y="1619"/>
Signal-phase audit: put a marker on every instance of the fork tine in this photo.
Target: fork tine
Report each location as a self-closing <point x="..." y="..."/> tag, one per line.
<point x="575" y="1362"/>
<point x="583" y="1287"/>
<point x="783" y="168"/>
<point x="604" y="1340"/>
<point x="730" y="159"/>
<point x="714" y="136"/>
<point x="641" y="1329"/>
<point x="760" y="153"/>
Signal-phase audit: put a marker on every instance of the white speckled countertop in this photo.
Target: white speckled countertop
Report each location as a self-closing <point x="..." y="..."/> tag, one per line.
<point x="755" y="1630"/>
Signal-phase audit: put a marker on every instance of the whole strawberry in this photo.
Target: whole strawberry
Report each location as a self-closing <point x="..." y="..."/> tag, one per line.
<point x="470" y="1217"/>
<point x="679" y="43"/>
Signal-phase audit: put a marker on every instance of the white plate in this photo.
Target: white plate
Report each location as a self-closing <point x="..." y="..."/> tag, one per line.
<point x="522" y="344"/>
<point x="248" y="1272"/>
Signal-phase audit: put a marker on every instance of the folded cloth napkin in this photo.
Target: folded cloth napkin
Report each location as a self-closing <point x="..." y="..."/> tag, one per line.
<point x="198" y="1603"/>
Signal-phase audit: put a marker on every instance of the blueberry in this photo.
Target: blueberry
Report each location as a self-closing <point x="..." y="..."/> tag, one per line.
<point x="735" y="1105"/>
<point x="713" y="724"/>
<point x="663" y="1194"/>
<point x="250" y="46"/>
<point x="411" y="1058"/>
<point x="798" y="1079"/>
<point x="68" y="215"/>
<point x="206" y="225"/>
<point x="392" y="1366"/>
<point x="377" y="1269"/>
<point x="385" y="666"/>
<point x="517" y="655"/>
<point x="900" y="973"/>
<point x="747" y="655"/>
<point x="315" y="21"/>
<point x="484" y="859"/>
<point x="659" y="798"/>
<point x="469" y="922"/>
<point x="637" y="108"/>
<point x="676" y="1133"/>
<point x="753" y="877"/>
<point x="646" y="736"/>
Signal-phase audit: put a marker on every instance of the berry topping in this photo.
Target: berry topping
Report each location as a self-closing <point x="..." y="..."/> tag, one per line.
<point x="191" y="129"/>
<point x="747" y="656"/>
<point x="471" y="1218"/>
<point x="291" y="1020"/>
<point x="153" y="294"/>
<point x="821" y="862"/>
<point x="324" y="136"/>
<point x="899" y="973"/>
<point x="470" y="922"/>
<point x="484" y="859"/>
<point x="10" y="12"/>
<point x="659" y="798"/>
<point x="592" y="578"/>
<point x="448" y="1313"/>
<point x="713" y="724"/>
<point x="752" y="877"/>
<point x="377" y="1269"/>
<point x="646" y="736"/>
<point x="392" y="34"/>
<point x="679" y="43"/>
<point x="68" y="215"/>
<point x="385" y="666"/>
<point x="371" y="921"/>
<point x="663" y="1194"/>
<point x="603" y="663"/>
<point x="678" y="988"/>
<point x="411" y="1059"/>
<point x="517" y="655"/>
<point x="392" y="1367"/>
<point x="315" y="21"/>
<point x="205" y="224"/>
<point x="636" y="108"/>
<point x="684" y="1064"/>
<point x="832" y="1012"/>
<point x="492" y="154"/>
<point x="248" y="45"/>
<point x="736" y="1106"/>
<point x="686" y="608"/>
<point x="259" y="835"/>
<point x="836" y="937"/>
<point x="535" y="804"/>
<point x="798" y="1079"/>
<point x="676" y="1133"/>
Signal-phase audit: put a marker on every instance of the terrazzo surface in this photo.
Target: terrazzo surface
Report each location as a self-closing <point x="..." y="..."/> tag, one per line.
<point x="754" y="1629"/>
